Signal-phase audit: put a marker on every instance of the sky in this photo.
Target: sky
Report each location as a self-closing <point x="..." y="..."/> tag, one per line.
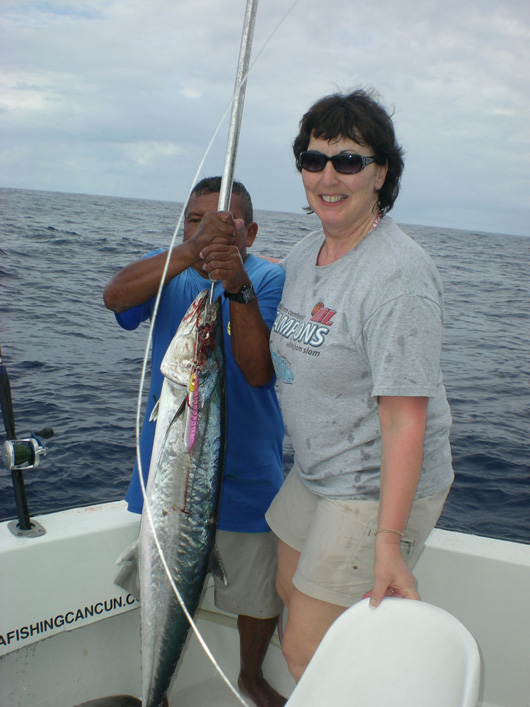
<point x="122" y="98"/>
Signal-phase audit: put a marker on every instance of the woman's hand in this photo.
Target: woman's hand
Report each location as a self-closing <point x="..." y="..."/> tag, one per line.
<point x="392" y="576"/>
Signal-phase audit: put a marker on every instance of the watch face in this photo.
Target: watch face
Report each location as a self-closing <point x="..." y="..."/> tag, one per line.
<point x="245" y="295"/>
<point x="248" y="293"/>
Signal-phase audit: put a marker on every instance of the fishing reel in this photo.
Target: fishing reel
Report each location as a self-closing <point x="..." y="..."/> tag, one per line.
<point x="18" y="456"/>
<point x="24" y="453"/>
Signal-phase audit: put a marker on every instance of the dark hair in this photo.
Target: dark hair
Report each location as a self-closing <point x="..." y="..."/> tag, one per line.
<point x="212" y="185"/>
<point x="360" y="117"/>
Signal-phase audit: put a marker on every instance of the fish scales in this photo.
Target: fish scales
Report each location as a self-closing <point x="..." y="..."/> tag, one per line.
<point x="183" y="493"/>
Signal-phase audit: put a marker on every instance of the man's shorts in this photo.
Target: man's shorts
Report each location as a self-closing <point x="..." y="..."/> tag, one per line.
<point x="336" y="539"/>
<point x="250" y="563"/>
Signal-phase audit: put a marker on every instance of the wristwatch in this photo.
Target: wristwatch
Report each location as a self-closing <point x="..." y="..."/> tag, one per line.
<point x="245" y="295"/>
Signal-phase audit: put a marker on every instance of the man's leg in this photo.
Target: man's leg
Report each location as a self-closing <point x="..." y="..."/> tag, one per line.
<point x="254" y="639"/>
<point x="250" y="563"/>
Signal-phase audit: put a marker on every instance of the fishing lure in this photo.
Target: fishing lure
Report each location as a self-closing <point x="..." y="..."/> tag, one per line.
<point x="192" y="412"/>
<point x="204" y="344"/>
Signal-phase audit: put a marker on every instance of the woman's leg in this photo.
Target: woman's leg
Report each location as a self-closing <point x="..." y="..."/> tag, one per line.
<point x="308" y="622"/>
<point x="308" y="619"/>
<point x="287" y="563"/>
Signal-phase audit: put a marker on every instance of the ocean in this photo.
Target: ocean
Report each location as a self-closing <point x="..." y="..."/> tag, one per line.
<point x="73" y="369"/>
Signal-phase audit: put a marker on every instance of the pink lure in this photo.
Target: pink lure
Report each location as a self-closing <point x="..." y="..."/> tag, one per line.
<point x="192" y="413"/>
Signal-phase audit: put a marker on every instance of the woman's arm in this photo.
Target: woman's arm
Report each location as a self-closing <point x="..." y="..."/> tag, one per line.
<point x="402" y="422"/>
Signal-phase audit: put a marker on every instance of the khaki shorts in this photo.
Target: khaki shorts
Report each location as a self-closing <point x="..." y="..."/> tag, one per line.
<point x="250" y="562"/>
<point x="336" y="539"/>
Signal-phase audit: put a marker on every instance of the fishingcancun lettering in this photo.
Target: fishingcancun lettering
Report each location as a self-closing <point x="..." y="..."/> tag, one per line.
<point x="66" y="619"/>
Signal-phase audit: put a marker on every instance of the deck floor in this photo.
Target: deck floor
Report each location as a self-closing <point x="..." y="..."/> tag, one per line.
<point x="210" y="693"/>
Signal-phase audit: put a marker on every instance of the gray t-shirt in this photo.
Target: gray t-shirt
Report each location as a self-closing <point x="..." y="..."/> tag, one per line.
<point x="366" y="325"/>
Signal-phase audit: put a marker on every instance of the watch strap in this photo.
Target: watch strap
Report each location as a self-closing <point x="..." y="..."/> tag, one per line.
<point x="245" y="295"/>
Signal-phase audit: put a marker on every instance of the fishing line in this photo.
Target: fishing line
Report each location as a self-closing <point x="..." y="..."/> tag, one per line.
<point x="148" y="347"/>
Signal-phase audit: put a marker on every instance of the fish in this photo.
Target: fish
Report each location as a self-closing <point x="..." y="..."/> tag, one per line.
<point x="183" y="490"/>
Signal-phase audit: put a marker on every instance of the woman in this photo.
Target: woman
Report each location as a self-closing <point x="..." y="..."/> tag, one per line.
<point x="356" y="347"/>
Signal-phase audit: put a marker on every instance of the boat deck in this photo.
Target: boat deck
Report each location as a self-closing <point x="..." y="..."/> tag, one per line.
<point x="197" y="683"/>
<point x="212" y="692"/>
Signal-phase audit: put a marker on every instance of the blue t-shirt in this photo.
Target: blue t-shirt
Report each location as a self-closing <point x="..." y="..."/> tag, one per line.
<point x="253" y="464"/>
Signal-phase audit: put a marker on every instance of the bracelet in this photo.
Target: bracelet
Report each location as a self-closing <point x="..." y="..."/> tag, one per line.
<point x="389" y="530"/>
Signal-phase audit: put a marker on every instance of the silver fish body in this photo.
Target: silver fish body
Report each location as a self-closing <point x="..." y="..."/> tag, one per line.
<point x="182" y="492"/>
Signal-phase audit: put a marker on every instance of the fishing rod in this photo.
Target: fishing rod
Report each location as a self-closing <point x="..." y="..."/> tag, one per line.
<point x="223" y="205"/>
<point x="227" y="180"/>
<point x="237" y="102"/>
<point x="19" y="455"/>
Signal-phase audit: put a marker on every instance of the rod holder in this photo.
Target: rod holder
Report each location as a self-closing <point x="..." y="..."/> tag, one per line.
<point x="20" y="455"/>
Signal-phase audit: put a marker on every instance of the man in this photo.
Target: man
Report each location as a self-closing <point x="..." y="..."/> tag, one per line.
<point x="215" y="246"/>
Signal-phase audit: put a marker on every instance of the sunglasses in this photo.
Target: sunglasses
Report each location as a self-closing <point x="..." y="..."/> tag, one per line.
<point x="344" y="163"/>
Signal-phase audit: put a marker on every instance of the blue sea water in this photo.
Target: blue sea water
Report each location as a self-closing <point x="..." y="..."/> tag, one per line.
<point x="72" y="368"/>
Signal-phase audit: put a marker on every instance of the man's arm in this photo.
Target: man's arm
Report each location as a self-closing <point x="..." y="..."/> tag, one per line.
<point x="249" y="334"/>
<point x="139" y="282"/>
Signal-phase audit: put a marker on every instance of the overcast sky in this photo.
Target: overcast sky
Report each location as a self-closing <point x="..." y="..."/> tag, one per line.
<point x="121" y="97"/>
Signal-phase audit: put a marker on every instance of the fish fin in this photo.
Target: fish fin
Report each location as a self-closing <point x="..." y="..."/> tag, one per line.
<point x="178" y="413"/>
<point x="180" y="410"/>
<point x="154" y="412"/>
<point x="128" y="576"/>
<point x="217" y="567"/>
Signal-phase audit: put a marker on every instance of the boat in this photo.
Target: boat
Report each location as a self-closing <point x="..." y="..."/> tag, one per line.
<point x="69" y="635"/>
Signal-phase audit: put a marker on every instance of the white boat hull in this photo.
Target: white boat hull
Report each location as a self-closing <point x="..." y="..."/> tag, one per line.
<point x="68" y="634"/>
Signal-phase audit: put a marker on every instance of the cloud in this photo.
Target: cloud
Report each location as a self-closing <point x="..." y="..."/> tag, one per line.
<point x="121" y="97"/>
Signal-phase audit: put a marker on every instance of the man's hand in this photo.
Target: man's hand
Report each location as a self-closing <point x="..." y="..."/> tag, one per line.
<point x="216" y="229"/>
<point x="223" y="261"/>
<point x="138" y="282"/>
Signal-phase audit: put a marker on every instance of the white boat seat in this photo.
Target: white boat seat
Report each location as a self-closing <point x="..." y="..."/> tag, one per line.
<point x="403" y="654"/>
